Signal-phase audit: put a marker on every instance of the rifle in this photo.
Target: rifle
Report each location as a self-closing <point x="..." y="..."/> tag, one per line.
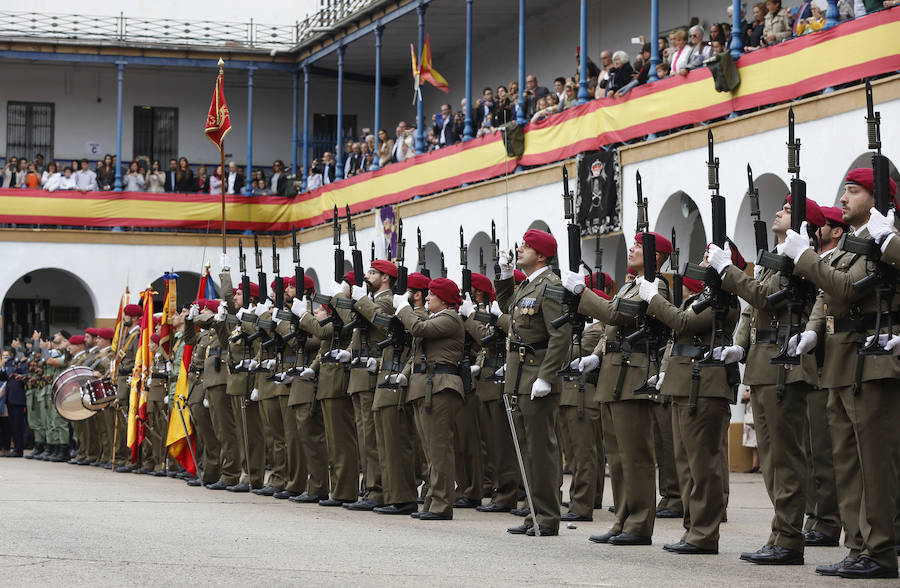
<point x="420" y="249"/>
<point x="677" y="278"/>
<point x="884" y="276"/>
<point x="245" y="293"/>
<point x="263" y="294"/>
<point x="465" y="370"/>
<point x="334" y="317"/>
<point x="356" y="320"/>
<point x="278" y="301"/>
<point x="443" y="267"/>
<point x="495" y="249"/>
<point x="398" y="338"/>
<point x="482" y="268"/>
<point x="283" y="314"/>
<point x="759" y="227"/>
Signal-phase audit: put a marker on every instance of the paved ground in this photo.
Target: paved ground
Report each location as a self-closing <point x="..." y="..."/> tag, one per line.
<point x="69" y="525"/>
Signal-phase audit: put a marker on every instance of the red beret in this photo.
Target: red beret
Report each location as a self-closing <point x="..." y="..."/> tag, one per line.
<point x="106" y="333"/>
<point x="601" y="294"/>
<point x="384" y="266"/>
<point x="289" y="281"/>
<point x="155" y="338"/>
<point x="350" y="277"/>
<point x="833" y="215"/>
<point x="92" y="331"/>
<point x="133" y="310"/>
<point x="814" y="215"/>
<point x="201" y="302"/>
<point x="541" y="241"/>
<point x="157" y="318"/>
<point x="446" y="290"/>
<point x="417" y="281"/>
<point x="663" y="245"/>
<point x="212" y="305"/>
<point x="693" y="285"/>
<point x="865" y="177"/>
<point x="254" y="290"/>
<point x="519" y="276"/>
<point x="632" y="271"/>
<point x="483" y="283"/>
<point x="285" y="282"/>
<point x="308" y="283"/>
<point x="76" y="340"/>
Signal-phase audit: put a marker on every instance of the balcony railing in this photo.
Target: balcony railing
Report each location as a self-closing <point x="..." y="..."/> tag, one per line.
<point x="127" y="30"/>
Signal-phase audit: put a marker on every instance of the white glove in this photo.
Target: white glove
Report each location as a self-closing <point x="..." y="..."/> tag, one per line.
<point x="252" y="364"/>
<point x="267" y="364"/>
<point x="796" y="243"/>
<point x="220" y="314"/>
<point x="571" y="279"/>
<point x="495" y="309"/>
<point x="342" y="355"/>
<point x="588" y="363"/>
<point x="659" y="380"/>
<point x="505" y="260"/>
<point x="719" y="259"/>
<point x="647" y="290"/>
<point x="240" y="312"/>
<point x="283" y="379"/>
<point x="371" y="365"/>
<point x="357" y="292"/>
<point x="166" y="399"/>
<point x="224" y="263"/>
<point x="334" y="288"/>
<point x="398" y="379"/>
<point x="169" y="366"/>
<point x="501" y="371"/>
<point x="466" y="308"/>
<point x="400" y="301"/>
<point x="205" y="403"/>
<point x="893" y="345"/>
<point x="307" y="374"/>
<point x="880" y="225"/>
<point x="275" y="319"/>
<point x="802" y="343"/>
<point x="299" y="306"/>
<point x="540" y="388"/>
<point x="729" y="354"/>
<point x="254" y="396"/>
<point x="757" y="269"/>
<point x="263" y="308"/>
<point x="193" y="311"/>
<point x="475" y="369"/>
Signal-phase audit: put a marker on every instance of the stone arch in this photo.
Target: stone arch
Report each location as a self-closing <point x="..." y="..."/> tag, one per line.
<point x="614" y="251"/>
<point x="862" y="160"/>
<point x="480" y="242"/>
<point x="187" y="284"/>
<point x="432" y="259"/>
<point x="540" y="225"/>
<point x="680" y="212"/>
<point x="772" y="192"/>
<point x="311" y="272"/>
<point x="47" y="300"/>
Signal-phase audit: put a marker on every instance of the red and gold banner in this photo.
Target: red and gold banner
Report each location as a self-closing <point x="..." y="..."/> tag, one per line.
<point x="856" y="49"/>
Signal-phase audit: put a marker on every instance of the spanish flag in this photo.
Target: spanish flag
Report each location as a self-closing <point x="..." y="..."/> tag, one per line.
<point x="137" y="406"/>
<point x="119" y="330"/>
<point x="218" y="120"/>
<point x="427" y="74"/>
<point x="168" y="311"/>
<point x="181" y="431"/>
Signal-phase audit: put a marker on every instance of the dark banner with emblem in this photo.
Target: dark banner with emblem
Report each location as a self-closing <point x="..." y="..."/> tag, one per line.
<point x="596" y="193"/>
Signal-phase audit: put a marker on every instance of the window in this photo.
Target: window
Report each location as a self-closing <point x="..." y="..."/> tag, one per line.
<point x="29" y="130"/>
<point x="155" y="134"/>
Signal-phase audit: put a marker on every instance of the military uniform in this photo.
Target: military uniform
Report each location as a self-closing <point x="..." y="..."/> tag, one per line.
<point x="700" y="413"/>
<point x="207" y="445"/>
<point x="627" y="418"/>
<point x="777" y="415"/>
<point x="81" y="428"/>
<point x="435" y="393"/>
<point x="221" y="413"/>
<point x="467" y="438"/>
<point x="104" y="422"/>
<point x="125" y="356"/>
<point x="154" y="447"/>
<point x="861" y="404"/>
<point x="536" y="350"/>
<point x="270" y="406"/>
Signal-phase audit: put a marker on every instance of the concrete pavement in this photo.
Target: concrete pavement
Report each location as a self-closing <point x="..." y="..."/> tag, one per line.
<point x="68" y="525"/>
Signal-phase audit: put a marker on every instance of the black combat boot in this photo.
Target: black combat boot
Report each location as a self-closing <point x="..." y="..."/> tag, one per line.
<point x="38" y="448"/>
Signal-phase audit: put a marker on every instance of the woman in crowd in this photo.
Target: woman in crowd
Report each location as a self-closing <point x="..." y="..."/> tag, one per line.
<point x="106" y="173"/>
<point x="778" y="23"/>
<point x="50" y="178"/>
<point x="184" y="177"/>
<point x="66" y="182"/>
<point x="816" y="22"/>
<point x="215" y="181"/>
<point x="21" y="173"/>
<point x="202" y="180"/>
<point x="757" y="27"/>
<point x="385" y="148"/>
<point x="503" y="108"/>
<point x="32" y="178"/>
<point x="156" y="179"/>
<point x="620" y="75"/>
<point x="134" y="180"/>
<point x="571" y="96"/>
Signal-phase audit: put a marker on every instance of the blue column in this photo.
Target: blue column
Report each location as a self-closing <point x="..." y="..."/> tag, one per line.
<point x="832" y="15"/>
<point x="654" y="39"/>
<point x="120" y="80"/>
<point x="248" y="189"/>
<point x="583" y="95"/>
<point x="379" y="30"/>
<point x="305" y="124"/>
<point x="420" y="116"/>
<point x="520" y="117"/>
<point x="339" y="156"/>
<point x="468" y="130"/>
<point x="294" y="137"/>
<point x="737" y="41"/>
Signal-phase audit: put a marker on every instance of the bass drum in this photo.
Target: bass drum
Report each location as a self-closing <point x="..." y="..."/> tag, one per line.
<point x="66" y="393"/>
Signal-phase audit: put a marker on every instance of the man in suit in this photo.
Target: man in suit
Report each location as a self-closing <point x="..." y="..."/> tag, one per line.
<point x="532" y="93"/>
<point x="172" y="176"/>
<point x="234" y="180"/>
<point x="536" y="352"/>
<point x="485" y="108"/>
<point x="629" y="442"/>
<point x="13" y="373"/>
<point x="278" y="181"/>
<point x="355" y="161"/>
<point x="326" y="168"/>
<point x="446" y="130"/>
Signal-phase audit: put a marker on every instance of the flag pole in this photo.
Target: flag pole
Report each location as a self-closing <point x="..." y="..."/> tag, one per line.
<point x="222" y="154"/>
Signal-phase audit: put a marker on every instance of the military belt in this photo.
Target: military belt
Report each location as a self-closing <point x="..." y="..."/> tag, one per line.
<point x="217" y="352"/>
<point x="289" y="358"/>
<point x="492" y="362"/>
<point x="859" y="324"/>
<point x="766" y="336"/>
<point x="392" y="366"/>
<point x="683" y="350"/>
<point x="612" y="347"/>
<point x="196" y="370"/>
<point x="528" y="347"/>
<point x="439" y="368"/>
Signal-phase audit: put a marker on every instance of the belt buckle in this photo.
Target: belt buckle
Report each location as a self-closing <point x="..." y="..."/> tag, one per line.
<point x="829" y="324"/>
<point x="753" y="335"/>
<point x="521" y="353"/>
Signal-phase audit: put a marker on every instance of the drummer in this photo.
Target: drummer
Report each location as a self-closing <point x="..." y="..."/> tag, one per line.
<point x="78" y="355"/>
<point x="101" y="365"/>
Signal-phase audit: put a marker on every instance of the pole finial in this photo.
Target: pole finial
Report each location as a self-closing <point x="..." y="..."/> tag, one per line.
<point x="221" y="64"/>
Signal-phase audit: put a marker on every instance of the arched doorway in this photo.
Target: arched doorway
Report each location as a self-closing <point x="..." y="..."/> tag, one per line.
<point x="680" y="212"/>
<point x="614" y="255"/>
<point x="772" y="192"/>
<point x="187" y="285"/>
<point x="432" y="259"/>
<point x="863" y="160"/>
<point x="313" y="276"/>
<point x="47" y="300"/>
<point x="480" y="251"/>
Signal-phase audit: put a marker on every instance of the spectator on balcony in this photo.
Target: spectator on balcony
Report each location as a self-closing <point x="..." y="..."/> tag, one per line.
<point x="641" y="76"/>
<point x="39" y="163"/>
<point x="234" y="182"/>
<point x="385" y="147"/>
<point x="156" y="179"/>
<point x="18" y="176"/>
<point x="717" y="47"/>
<point x="744" y="29"/>
<point x="278" y="181"/>
<point x="717" y="33"/>
<point x="314" y="180"/>
<point x="134" y="181"/>
<point x="106" y="173"/>
<point x="403" y="145"/>
<point x="696" y="39"/>
<point x="370" y="142"/>
<point x="570" y="96"/>
<point x="172" y="176"/>
<point x="327" y="168"/>
<point x="663" y="70"/>
<point x="9" y="172"/>
<point x="620" y="75"/>
<point x="686" y="56"/>
<point x="354" y="162"/>
<point x="445" y="127"/>
<point x="32" y="177"/>
<point x="215" y="181"/>
<point x="532" y="93"/>
<point x="51" y="174"/>
<point x="66" y="181"/>
<point x="485" y="109"/>
<point x="778" y="26"/>
<point x="814" y="22"/>
<point x="184" y="177"/>
<point x="514" y="100"/>
<point x="756" y="28"/>
<point x="503" y="109"/>
<point x="259" y="188"/>
<point x="201" y="184"/>
<point x="370" y="161"/>
<point x="85" y="178"/>
<point x="662" y="46"/>
<point x="559" y="86"/>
